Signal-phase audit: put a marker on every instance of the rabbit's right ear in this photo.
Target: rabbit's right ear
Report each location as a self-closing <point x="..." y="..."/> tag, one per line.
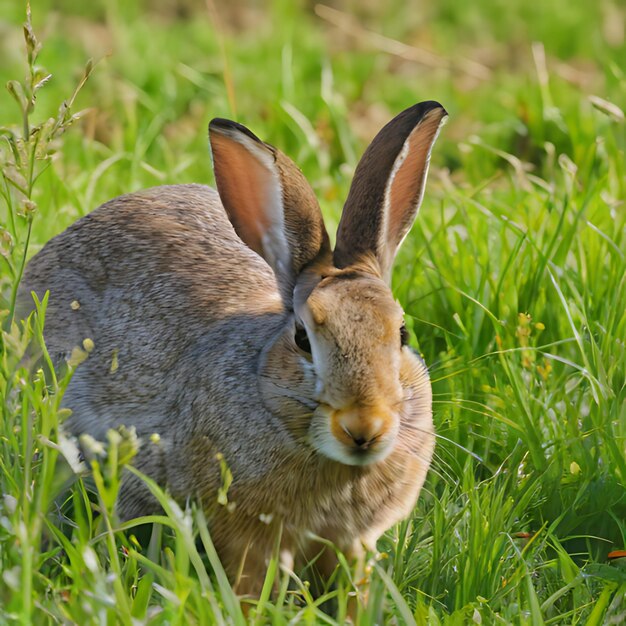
<point x="387" y="188"/>
<point x="268" y="201"/>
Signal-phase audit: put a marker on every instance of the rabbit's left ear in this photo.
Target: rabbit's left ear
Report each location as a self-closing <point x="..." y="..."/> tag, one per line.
<point x="387" y="189"/>
<point x="268" y="201"/>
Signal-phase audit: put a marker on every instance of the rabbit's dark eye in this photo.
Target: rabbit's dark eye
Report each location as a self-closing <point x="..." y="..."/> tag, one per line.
<point x="302" y="339"/>
<point x="404" y="335"/>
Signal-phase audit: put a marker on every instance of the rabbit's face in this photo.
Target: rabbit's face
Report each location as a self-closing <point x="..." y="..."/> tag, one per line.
<point x="353" y="326"/>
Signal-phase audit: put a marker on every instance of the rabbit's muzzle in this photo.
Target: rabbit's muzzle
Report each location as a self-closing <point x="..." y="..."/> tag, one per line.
<point x="356" y="434"/>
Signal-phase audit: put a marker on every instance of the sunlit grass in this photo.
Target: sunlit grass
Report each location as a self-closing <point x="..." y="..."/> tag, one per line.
<point x="513" y="280"/>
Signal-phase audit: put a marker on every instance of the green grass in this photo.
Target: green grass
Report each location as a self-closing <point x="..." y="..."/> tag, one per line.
<point x="513" y="279"/>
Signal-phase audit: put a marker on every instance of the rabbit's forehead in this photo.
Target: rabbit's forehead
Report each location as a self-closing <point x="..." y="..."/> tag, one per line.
<point x="343" y="305"/>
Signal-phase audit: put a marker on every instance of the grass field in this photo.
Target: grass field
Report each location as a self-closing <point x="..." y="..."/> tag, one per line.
<point x="513" y="279"/>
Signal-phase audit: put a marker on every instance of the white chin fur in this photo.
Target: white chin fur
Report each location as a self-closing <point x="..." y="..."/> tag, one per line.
<point x="324" y="442"/>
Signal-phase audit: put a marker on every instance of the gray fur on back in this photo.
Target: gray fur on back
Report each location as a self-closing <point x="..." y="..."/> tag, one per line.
<point x="167" y="292"/>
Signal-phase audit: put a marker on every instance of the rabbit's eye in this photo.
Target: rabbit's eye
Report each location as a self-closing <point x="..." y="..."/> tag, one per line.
<point x="404" y="335"/>
<point x="302" y="339"/>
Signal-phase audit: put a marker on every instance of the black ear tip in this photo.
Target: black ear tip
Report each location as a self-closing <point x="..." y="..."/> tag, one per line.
<point x="223" y="126"/>
<point x="423" y="108"/>
<point x="401" y="125"/>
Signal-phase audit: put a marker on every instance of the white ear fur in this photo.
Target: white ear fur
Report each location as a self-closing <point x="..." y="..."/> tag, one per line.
<point x="269" y="202"/>
<point x="275" y="249"/>
<point x="251" y="190"/>
<point x="402" y="177"/>
<point x="387" y="189"/>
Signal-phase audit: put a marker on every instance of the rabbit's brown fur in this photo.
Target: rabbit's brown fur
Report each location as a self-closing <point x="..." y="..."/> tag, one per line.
<point x="196" y="339"/>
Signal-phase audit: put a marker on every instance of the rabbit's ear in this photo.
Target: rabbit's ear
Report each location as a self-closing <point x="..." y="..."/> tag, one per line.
<point x="388" y="187"/>
<point x="269" y="202"/>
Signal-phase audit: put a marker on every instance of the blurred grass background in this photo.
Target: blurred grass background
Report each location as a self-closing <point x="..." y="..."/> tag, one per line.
<point x="513" y="278"/>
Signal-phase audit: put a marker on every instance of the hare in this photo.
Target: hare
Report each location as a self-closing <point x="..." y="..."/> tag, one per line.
<point x="224" y="322"/>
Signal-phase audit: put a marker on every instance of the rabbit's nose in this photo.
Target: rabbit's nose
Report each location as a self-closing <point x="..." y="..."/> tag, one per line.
<point x="359" y="440"/>
<point x="362" y="440"/>
<point x="356" y="428"/>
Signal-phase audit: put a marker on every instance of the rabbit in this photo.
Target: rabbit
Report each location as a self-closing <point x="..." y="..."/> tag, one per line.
<point x="225" y="323"/>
